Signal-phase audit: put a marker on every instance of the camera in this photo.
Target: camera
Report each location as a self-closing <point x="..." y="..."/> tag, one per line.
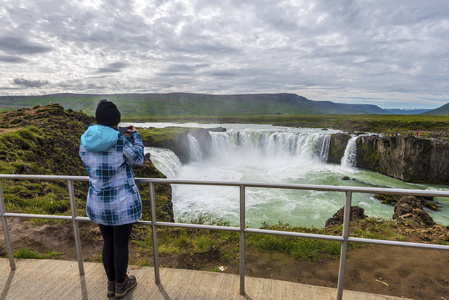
<point x="124" y="130"/>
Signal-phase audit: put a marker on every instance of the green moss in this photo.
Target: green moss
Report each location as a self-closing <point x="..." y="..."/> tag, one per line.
<point x="30" y="254"/>
<point x="6" y="168"/>
<point x="161" y="136"/>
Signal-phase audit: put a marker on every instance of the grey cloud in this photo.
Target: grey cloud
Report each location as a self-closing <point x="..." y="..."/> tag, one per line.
<point x="113" y="67"/>
<point x="199" y="45"/>
<point x="9" y="88"/>
<point x="14" y="45"/>
<point x="30" y="83"/>
<point x="224" y="74"/>
<point x="182" y="69"/>
<point x="12" y="59"/>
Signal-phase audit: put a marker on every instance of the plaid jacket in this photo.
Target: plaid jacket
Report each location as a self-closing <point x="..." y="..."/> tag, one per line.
<point x="113" y="198"/>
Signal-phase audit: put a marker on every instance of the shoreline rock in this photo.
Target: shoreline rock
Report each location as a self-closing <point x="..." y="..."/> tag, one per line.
<point x="410" y="208"/>
<point x="356" y="213"/>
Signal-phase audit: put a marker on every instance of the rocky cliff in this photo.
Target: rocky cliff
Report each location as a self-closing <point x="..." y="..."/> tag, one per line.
<point x="337" y="147"/>
<point x="406" y="158"/>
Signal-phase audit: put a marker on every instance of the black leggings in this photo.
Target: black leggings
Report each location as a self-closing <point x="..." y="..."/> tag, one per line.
<point x="115" y="250"/>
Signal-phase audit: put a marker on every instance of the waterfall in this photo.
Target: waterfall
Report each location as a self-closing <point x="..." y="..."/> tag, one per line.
<point x="265" y="153"/>
<point x="273" y="144"/>
<point x="165" y="160"/>
<point x="349" y="157"/>
<point x="194" y="148"/>
<point x="321" y="146"/>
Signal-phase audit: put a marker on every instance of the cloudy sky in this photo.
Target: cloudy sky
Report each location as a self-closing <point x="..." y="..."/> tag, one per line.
<point x="384" y="52"/>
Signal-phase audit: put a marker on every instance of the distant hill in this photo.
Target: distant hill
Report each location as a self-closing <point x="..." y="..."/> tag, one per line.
<point x="185" y="104"/>
<point x="401" y="111"/>
<point x="443" y="110"/>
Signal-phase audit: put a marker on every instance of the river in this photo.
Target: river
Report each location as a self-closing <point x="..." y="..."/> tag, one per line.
<point x="265" y="153"/>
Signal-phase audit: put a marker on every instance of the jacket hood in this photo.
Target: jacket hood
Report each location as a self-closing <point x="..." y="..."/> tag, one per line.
<point x="99" y="138"/>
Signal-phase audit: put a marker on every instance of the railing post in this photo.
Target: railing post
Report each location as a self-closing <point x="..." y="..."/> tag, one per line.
<point x="344" y="245"/>
<point x="76" y="231"/>
<point x="242" y="240"/>
<point x="157" y="278"/>
<point x="12" y="262"/>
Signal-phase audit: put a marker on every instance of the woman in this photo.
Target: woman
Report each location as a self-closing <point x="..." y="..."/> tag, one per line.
<point x="113" y="200"/>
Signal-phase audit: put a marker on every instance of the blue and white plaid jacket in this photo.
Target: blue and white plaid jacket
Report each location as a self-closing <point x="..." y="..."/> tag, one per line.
<point x="108" y="156"/>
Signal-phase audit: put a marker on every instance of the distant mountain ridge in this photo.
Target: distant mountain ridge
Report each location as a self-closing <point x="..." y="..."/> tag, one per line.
<point x="443" y="110"/>
<point x="189" y="104"/>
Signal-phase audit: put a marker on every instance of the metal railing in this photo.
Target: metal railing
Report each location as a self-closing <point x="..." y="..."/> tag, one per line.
<point x="344" y="238"/>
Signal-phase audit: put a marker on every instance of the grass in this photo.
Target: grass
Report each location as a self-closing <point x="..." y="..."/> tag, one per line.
<point x="157" y="136"/>
<point x="373" y="228"/>
<point x="36" y="197"/>
<point x="209" y="247"/>
<point x="197" y="242"/>
<point x="30" y="254"/>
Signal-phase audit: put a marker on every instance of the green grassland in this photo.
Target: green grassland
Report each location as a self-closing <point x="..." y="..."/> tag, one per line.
<point x="279" y="109"/>
<point x="428" y="125"/>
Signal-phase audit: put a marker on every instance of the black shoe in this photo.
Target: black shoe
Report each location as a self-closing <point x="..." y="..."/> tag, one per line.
<point x="124" y="287"/>
<point x="111" y="288"/>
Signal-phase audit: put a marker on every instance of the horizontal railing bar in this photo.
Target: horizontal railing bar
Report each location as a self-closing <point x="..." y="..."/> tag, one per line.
<point x="53" y="217"/>
<point x="56" y="217"/>
<point x="331" y="188"/>
<point x="44" y="177"/>
<point x="251" y="230"/>
<point x="295" y="234"/>
<point x="398" y="243"/>
<point x="144" y="222"/>
<point x="250" y="184"/>
<point x="198" y="226"/>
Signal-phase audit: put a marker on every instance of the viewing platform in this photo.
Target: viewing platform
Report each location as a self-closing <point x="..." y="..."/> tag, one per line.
<point x="59" y="279"/>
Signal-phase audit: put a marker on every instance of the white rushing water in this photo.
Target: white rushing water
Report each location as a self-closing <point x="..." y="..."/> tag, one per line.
<point x="265" y="153"/>
<point x="194" y="148"/>
<point x="349" y="157"/>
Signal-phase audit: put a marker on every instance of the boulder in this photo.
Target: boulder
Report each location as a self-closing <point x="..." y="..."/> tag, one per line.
<point x="410" y="208"/>
<point x="356" y="213"/>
